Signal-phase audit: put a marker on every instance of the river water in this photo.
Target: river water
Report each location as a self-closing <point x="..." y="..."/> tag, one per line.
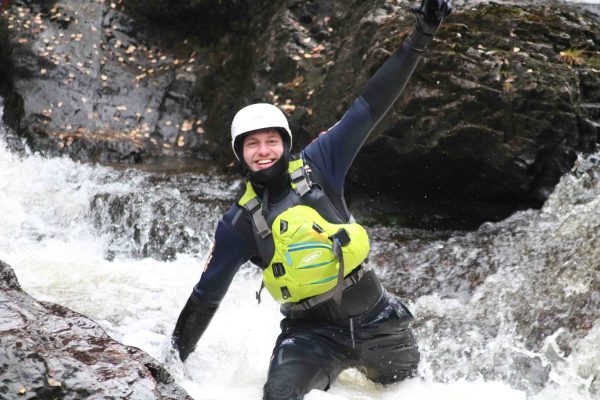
<point x="506" y="312"/>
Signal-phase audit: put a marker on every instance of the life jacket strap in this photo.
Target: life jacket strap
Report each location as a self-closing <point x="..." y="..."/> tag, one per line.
<point x="262" y="286"/>
<point x="300" y="181"/>
<point x="254" y="207"/>
<point x="348" y="281"/>
<point x="338" y="290"/>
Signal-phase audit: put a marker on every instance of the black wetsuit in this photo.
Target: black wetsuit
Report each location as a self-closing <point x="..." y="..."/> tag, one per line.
<point x="369" y="329"/>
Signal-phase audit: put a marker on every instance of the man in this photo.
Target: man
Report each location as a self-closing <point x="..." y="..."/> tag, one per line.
<point x="293" y="222"/>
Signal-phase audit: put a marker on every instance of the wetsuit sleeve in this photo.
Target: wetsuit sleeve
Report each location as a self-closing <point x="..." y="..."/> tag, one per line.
<point x="230" y="251"/>
<point x="335" y="151"/>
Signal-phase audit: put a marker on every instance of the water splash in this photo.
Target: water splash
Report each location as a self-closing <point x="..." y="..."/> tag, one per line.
<point x="508" y="311"/>
<point x="513" y="300"/>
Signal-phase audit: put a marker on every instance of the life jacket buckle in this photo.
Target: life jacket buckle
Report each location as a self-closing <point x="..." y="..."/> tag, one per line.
<point x="253" y="205"/>
<point x="285" y="293"/>
<point x="278" y="270"/>
<point x="342" y="237"/>
<point x="301" y="179"/>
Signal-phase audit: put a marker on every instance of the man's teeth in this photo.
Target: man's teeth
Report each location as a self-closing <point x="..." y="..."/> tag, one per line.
<point x="263" y="161"/>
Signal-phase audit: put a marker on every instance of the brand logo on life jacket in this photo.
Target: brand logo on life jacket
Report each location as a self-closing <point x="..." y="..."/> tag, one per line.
<point x="311" y="257"/>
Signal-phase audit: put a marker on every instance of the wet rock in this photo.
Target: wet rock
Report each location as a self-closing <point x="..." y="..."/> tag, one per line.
<point x="494" y="115"/>
<point x="160" y="216"/>
<point x="48" y="351"/>
<point x="96" y="90"/>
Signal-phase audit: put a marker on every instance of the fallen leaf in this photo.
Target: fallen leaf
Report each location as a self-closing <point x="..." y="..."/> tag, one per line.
<point x="186" y="126"/>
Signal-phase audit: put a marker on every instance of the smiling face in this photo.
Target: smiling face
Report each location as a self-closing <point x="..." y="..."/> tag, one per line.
<point x="262" y="149"/>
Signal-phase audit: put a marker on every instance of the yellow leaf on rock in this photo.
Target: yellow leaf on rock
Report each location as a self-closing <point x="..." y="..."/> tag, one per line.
<point x="186" y="126"/>
<point x="53" y="382"/>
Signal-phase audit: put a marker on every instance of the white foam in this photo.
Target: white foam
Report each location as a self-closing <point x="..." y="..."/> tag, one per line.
<point x="58" y="255"/>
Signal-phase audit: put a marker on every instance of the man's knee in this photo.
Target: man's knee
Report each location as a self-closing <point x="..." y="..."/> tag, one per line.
<point x="292" y="380"/>
<point x="281" y="386"/>
<point x="394" y="366"/>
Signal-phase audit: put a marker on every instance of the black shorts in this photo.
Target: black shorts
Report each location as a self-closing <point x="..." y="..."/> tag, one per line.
<point x="310" y="355"/>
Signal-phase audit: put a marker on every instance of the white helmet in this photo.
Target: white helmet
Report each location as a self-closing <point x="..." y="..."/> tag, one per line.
<point x="258" y="116"/>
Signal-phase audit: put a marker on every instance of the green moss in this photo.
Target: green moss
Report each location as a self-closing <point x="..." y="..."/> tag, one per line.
<point x="572" y="56"/>
<point x="581" y="58"/>
<point x="593" y="61"/>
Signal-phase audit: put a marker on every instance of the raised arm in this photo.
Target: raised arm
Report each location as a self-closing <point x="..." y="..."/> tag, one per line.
<point x="335" y="151"/>
<point x="229" y="252"/>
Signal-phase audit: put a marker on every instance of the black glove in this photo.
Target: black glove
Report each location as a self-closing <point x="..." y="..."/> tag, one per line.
<point x="191" y="324"/>
<point x="430" y="15"/>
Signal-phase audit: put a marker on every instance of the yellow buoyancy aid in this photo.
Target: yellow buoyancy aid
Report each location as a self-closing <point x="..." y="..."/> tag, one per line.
<point x="311" y="255"/>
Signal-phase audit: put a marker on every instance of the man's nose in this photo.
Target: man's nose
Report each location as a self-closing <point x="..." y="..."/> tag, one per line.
<point x="263" y="148"/>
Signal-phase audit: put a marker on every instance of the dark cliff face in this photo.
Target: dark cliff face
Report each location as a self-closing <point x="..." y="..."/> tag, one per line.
<point x="493" y="117"/>
<point x="48" y="351"/>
